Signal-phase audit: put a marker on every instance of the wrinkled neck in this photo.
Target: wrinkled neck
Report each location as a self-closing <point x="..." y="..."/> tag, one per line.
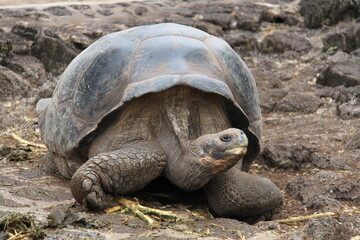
<point x="188" y="172"/>
<point x="186" y="115"/>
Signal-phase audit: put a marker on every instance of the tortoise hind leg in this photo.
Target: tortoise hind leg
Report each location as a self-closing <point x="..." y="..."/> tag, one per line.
<point x="122" y="171"/>
<point x="239" y="194"/>
<point x="55" y="165"/>
<point x="47" y="165"/>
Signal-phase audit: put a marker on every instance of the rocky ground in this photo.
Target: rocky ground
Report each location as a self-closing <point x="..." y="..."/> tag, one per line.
<point x="305" y="57"/>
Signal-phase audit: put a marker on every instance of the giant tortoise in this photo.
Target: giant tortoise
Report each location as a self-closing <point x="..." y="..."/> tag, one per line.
<point x="160" y="100"/>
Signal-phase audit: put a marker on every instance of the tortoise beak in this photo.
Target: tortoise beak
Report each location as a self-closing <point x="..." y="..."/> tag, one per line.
<point x="237" y="150"/>
<point x="241" y="147"/>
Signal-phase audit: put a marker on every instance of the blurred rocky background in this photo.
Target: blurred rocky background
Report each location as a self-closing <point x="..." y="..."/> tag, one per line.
<point x="305" y="57"/>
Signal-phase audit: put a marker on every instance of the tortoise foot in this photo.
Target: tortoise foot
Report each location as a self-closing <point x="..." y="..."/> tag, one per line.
<point x="54" y="165"/>
<point x="111" y="174"/>
<point x="242" y="195"/>
<point x="48" y="166"/>
<point x="91" y="187"/>
<point x="266" y="216"/>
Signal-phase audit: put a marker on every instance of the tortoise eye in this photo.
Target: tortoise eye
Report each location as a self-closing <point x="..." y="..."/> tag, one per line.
<point x="225" y="138"/>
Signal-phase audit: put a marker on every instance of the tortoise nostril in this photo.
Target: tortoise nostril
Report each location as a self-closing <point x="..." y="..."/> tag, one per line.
<point x="243" y="134"/>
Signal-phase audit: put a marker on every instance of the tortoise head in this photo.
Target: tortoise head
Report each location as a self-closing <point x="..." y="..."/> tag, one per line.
<point x="220" y="149"/>
<point x="210" y="155"/>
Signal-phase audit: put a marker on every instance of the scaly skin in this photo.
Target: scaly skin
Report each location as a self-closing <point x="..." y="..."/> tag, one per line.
<point x="118" y="172"/>
<point x="239" y="194"/>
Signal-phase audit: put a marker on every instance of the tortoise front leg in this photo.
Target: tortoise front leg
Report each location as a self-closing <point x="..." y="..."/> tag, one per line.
<point x="239" y="194"/>
<point x="122" y="171"/>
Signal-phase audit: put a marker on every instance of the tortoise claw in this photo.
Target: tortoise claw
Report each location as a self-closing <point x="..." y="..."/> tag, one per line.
<point x="87" y="188"/>
<point x="98" y="200"/>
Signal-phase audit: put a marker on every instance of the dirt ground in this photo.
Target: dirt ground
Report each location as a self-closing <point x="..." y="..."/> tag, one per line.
<point x="310" y="143"/>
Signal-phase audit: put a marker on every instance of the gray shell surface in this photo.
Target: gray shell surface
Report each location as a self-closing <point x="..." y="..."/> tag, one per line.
<point x="128" y="64"/>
